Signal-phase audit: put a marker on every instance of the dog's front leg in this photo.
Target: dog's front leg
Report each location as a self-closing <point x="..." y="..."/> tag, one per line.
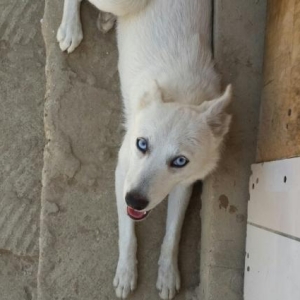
<point x="168" y="275"/>
<point x="69" y="34"/>
<point x="126" y="274"/>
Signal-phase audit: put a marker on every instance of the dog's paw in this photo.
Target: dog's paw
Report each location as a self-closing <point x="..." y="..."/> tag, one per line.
<point x="69" y="35"/>
<point x="105" y="21"/>
<point x="125" y="279"/>
<point x="168" y="281"/>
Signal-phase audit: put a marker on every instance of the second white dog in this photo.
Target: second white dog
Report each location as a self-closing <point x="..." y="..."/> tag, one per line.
<point x="173" y="134"/>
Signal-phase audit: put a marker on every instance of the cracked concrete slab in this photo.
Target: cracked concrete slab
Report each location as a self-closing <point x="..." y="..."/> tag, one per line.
<point x="78" y="244"/>
<point x="22" y="85"/>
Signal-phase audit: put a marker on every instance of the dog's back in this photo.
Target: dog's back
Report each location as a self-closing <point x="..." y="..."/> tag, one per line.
<point x="170" y="41"/>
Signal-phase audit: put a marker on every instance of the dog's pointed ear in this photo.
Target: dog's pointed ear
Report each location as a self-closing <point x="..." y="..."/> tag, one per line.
<point x="146" y="92"/>
<point x="214" y="113"/>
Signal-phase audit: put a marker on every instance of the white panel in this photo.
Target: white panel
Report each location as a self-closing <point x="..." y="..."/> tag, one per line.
<point x="274" y="266"/>
<point x="275" y="196"/>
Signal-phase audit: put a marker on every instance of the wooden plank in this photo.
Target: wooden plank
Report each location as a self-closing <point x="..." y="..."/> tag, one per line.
<point x="272" y="268"/>
<point x="274" y="196"/>
<point x="279" y="129"/>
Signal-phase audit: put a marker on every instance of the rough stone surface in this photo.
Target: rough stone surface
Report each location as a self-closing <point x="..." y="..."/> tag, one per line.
<point x="238" y="45"/>
<point x="79" y="250"/>
<point x="22" y="85"/>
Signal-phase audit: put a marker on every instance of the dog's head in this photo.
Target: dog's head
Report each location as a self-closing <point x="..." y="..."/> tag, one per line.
<point x="170" y="144"/>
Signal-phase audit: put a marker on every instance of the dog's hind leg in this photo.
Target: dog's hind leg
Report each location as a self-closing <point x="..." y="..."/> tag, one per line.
<point x="168" y="281"/>
<point x="105" y="21"/>
<point x="69" y="34"/>
<point x="126" y="274"/>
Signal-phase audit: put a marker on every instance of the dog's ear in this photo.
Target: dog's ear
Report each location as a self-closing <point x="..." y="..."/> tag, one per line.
<point x="146" y="92"/>
<point x="214" y="113"/>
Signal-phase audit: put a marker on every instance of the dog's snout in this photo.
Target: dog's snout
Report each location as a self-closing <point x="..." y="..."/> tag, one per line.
<point x="136" y="201"/>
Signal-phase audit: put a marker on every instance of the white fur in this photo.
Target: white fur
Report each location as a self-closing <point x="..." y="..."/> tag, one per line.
<point x="167" y="76"/>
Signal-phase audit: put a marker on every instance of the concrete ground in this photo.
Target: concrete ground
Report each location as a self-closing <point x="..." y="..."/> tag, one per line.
<point x="239" y="29"/>
<point x="22" y="89"/>
<point x="76" y="255"/>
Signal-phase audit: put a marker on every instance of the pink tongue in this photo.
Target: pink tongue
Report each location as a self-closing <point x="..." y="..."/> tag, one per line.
<point x="135" y="213"/>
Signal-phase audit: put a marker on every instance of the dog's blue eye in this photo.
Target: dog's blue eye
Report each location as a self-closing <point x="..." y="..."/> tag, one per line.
<point x="179" y="162"/>
<point x="142" y="144"/>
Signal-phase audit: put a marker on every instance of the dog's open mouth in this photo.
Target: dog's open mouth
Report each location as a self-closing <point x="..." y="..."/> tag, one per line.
<point x="137" y="215"/>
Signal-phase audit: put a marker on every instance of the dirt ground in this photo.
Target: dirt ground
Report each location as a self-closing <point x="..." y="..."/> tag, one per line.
<point x="22" y="90"/>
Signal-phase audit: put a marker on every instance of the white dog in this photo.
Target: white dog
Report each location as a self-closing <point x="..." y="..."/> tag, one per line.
<point x="174" y="135"/>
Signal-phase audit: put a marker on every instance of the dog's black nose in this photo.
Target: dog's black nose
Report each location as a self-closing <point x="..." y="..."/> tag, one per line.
<point x="136" y="201"/>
